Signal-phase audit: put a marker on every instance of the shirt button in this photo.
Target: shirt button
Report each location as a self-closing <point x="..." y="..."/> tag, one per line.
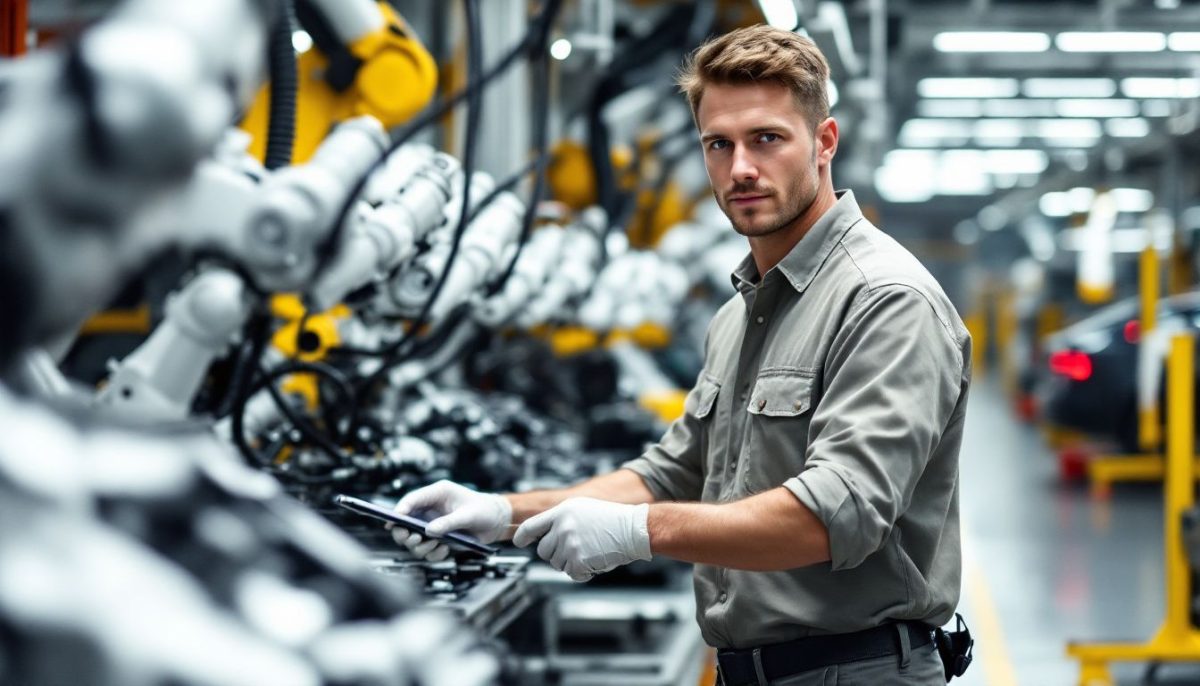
<point x="760" y="319"/>
<point x="762" y="402"/>
<point x="724" y="597"/>
<point x="799" y="404"/>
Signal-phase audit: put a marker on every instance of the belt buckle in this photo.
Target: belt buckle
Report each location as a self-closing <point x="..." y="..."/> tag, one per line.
<point x="756" y="656"/>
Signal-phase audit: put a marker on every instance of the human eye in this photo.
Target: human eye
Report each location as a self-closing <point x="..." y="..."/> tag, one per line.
<point x="768" y="137"/>
<point x="718" y="144"/>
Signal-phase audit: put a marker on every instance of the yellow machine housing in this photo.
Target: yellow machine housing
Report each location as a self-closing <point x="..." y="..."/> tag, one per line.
<point x="396" y="79"/>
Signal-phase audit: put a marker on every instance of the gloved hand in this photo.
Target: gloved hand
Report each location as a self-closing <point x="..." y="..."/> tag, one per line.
<point x="585" y="537"/>
<point x="451" y="507"/>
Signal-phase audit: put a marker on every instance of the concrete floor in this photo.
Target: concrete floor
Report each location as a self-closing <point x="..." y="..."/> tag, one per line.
<point x="1045" y="563"/>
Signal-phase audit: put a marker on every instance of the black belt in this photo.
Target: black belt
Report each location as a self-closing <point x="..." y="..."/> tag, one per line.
<point x="779" y="660"/>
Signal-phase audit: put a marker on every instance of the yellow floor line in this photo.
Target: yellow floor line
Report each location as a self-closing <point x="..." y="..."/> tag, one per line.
<point x="993" y="649"/>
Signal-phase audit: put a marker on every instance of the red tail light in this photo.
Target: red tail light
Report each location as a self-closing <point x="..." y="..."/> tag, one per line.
<point x="1132" y="331"/>
<point x="1072" y="364"/>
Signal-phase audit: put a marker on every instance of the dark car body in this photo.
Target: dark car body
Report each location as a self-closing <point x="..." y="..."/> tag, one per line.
<point x="1087" y="381"/>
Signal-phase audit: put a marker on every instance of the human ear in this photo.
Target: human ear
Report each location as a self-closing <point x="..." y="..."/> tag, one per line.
<point x="826" y="140"/>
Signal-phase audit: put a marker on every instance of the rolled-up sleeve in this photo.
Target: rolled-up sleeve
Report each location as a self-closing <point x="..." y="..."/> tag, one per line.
<point x="892" y="380"/>
<point x="672" y="468"/>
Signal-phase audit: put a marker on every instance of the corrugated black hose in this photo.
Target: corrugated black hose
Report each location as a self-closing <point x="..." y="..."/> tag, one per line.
<point x="281" y="123"/>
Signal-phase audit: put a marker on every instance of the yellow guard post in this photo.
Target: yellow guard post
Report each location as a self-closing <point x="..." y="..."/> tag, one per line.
<point x="1147" y="466"/>
<point x="1176" y="640"/>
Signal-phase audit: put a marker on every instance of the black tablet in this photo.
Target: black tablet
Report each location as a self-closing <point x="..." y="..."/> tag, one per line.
<point x="454" y="538"/>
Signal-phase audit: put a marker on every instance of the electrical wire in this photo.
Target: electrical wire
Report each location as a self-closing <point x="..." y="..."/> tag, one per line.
<point x="267" y="379"/>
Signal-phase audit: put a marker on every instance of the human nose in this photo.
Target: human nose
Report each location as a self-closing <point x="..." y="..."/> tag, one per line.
<point x="744" y="169"/>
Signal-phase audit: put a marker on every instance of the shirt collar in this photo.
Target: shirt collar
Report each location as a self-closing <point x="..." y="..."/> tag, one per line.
<point x="801" y="264"/>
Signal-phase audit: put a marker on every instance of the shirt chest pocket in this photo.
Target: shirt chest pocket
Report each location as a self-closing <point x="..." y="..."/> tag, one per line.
<point x="779" y="414"/>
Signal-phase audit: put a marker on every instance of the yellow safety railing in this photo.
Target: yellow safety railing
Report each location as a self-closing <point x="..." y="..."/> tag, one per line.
<point x="1176" y="640"/>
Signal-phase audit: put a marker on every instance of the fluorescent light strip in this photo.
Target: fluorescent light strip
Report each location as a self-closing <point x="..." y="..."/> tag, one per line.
<point x="991" y="41"/>
<point x="1127" y="128"/>
<point x="1104" y="108"/>
<point x="1068" y="129"/>
<point x="1184" y="41"/>
<point x="1069" y="88"/>
<point x="1160" y="87"/>
<point x="964" y="109"/>
<point x="1079" y="200"/>
<point x="1019" y="108"/>
<point x="922" y="161"/>
<point x="1111" y="41"/>
<point x="967" y="88"/>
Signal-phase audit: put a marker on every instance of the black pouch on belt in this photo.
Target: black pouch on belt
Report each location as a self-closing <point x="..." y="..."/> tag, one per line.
<point x="954" y="647"/>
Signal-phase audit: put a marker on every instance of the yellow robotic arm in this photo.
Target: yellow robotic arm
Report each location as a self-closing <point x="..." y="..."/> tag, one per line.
<point x="366" y="60"/>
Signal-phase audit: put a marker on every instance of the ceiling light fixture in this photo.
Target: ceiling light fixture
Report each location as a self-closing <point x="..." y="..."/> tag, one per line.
<point x="560" y="49"/>
<point x="1135" y="127"/>
<point x="1184" y="41"/>
<point x="991" y="41"/>
<point x="1069" y="88"/>
<point x="967" y="88"/>
<point x="965" y="109"/>
<point x="1160" y="87"/>
<point x="1019" y="108"/>
<point x="1105" y="108"/>
<point x="1111" y="41"/>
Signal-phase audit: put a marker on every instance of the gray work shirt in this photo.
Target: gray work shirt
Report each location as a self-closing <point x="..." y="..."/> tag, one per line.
<point x="842" y="376"/>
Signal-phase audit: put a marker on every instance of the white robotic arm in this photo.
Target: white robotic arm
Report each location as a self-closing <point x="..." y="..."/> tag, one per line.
<point x="388" y="234"/>
<point x="532" y="270"/>
<point x="577" y="268"/>
<point x="275" y="230"/>
<point x="105" y="132"/>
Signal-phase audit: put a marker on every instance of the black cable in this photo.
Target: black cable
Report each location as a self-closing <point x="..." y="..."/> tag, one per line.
<point x="267" y="380"/>
<point x="534" y="41"/>
<point x="541" y="141"/>
<point x="254" y="337"/>
<point x="281" y="123"/>
<point x="260" y="329"/>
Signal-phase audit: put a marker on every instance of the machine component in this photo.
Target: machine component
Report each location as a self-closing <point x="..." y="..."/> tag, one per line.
<point x="274" y="233"/>
<point x="388" y="234"/>
<point x="575" y="273"/>
<point x="367" y="61"/>
<point x="111" y="536"/>
<point x="483" y="244"/>
<point x="103" y="134"/>
<point x="531" y="272"/>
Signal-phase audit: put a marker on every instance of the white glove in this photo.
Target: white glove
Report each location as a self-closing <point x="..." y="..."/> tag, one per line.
<point x="585" y="537"/>
<point x="451" y="507"/>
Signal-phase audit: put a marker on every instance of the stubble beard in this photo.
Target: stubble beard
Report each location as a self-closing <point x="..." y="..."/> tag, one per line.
<point x="796" y="203"/>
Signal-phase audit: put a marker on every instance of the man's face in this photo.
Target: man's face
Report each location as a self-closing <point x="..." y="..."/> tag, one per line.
<point x="761" y="154"/>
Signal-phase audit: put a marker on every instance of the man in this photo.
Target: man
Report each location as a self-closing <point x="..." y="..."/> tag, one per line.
<point x="813" y="478"/>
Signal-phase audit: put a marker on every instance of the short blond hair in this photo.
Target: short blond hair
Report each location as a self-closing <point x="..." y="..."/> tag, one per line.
<point x="756" y="54"/>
